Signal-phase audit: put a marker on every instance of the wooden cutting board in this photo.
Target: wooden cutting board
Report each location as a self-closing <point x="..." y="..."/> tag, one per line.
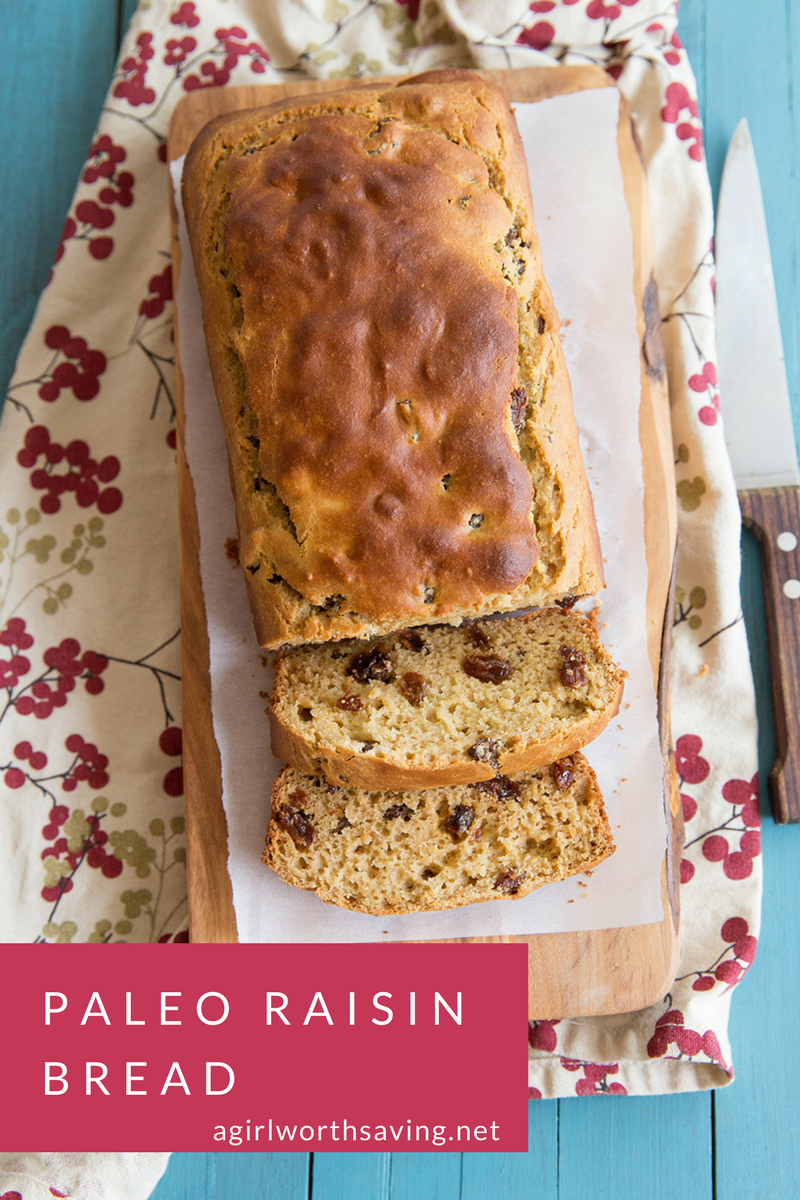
<point x="570" y="974"/>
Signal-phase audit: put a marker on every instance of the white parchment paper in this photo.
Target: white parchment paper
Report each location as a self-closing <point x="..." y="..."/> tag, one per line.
<point x="582" y="221"/>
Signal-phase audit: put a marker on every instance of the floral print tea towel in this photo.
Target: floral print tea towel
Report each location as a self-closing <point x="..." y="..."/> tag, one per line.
<point x="92" y="823"/>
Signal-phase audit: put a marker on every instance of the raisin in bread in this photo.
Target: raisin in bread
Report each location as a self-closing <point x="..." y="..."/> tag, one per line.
<point x="444" y="705"/>
<point x="385" y="352"/>
<point x="400" y="852"/>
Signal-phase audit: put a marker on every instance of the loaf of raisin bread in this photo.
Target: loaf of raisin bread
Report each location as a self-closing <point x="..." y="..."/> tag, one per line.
<point x="444" y="705"/>
<point x="401" y="852"/>
<point x="385" y="352"/>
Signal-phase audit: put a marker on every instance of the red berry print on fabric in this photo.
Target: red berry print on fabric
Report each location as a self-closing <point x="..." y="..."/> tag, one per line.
<point x="691" y="768"/>
<point x="179" y="49"/>
<point x="594" y="1081"/>
<point x="744" y="824"/>
<point x="170" y="743"/>
<point x="411" y="7"/>
<point x="670" y="46"/>
<point x="75" y="837"/>
<point x="706" y="383"/>
<point x="690" y="765"/>
<point x="542" y="1035"/>
<point x="74" y="366"/>
<point x="672" y="56"/>
<point x="88" y="766"/>
<point x="232" y="45"/>
<point x="185" y="15"/>
<point x="150" y="340"/>
<point x="735" y="959"/>
<point x="678" y="101"/>
<point x="598" y="10"/>
<point x="64" y="666"/>
<point x="12" y="668"/>
<point x="689" y="806"/>
<point x="80" y="474"/>
<point x="93" y="215"/>
<point x="538" y="36"/>
<point x="132" y="86"/>
<point x="193" y="66"/>
<point x="29" y="760"/>
<point x="160" y="291"/>
<point x="672" y="1034"/>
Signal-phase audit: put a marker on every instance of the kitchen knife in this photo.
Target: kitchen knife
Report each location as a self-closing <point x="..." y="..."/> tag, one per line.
<point x="760" y="437"/>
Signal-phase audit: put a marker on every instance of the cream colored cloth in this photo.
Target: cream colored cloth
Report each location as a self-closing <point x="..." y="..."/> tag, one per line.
<point x="92" y="824"/>
<point x="80" y="1176"/>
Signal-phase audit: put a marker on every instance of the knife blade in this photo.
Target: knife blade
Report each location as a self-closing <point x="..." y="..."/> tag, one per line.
<point x="759" y="432"/>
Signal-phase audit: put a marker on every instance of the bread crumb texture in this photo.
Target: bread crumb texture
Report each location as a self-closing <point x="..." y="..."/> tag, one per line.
<point x="444" y="705"/>
<point x="395" y="852"/>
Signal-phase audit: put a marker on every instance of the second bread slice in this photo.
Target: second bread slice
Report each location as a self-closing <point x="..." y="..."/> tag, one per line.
<point x="444" y="705"/>
<point x="395" y="852"/>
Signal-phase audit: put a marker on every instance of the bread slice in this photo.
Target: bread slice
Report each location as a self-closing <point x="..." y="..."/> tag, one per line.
<point x="385" y="351"/>
<point x="401" y="852"/>
<point x="444" y="705"/>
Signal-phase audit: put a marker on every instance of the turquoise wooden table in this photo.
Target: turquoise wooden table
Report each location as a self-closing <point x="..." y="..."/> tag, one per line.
<point x="736" y="1144"/>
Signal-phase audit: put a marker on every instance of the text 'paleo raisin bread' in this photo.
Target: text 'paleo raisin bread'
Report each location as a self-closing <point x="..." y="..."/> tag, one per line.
<point x="385" y="352"/>
<point x="400" y="852"/>
<point x="444" y="705"/>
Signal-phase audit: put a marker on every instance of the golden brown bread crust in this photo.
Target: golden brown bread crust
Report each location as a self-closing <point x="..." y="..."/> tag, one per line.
<point x="340" y="765"/>
<point x="365" y="361"/>
<point x="498" y="713"/>
<point x="386" y="853"/>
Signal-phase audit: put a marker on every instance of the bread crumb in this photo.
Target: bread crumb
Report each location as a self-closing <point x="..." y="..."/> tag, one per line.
<point x="703" y="671"/>
<point x="232" y="550"/>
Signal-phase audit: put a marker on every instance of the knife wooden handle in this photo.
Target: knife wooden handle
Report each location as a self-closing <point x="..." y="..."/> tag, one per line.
<point x="773" y="515"/>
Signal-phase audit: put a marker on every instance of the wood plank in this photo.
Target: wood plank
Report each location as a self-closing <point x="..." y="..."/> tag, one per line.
<point x="569" y="973"/>
<point x="283" y="1175"/>
<point x="738" y="83"/>
<point x="532" y="1176"/>
<point x="126" y="9"/>
<point x="633" y="1146"/>
<point x="347" y="1176"/>
<point x="432" y="1176"/>
<point x="756" y="1146"/>
<point x="55" y="109"/>
<point x="692" y="32"/>
<point x="188" y="1175"/>
<point x="220" y="1176"/>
